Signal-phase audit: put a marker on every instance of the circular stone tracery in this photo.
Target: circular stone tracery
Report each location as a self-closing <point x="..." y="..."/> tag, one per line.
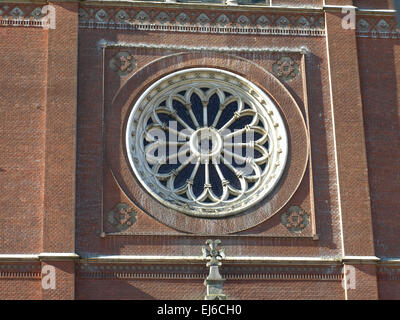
<point x="206" y="142"/>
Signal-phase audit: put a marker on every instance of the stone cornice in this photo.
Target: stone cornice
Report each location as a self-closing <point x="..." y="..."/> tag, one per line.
<point x="390" y="261"/>
<point x="200" y="259"/>
<point x="56" y="256"/>
<point x="202" y="6"/>
<point x="211" y="6"/>
<point x="28" y="266"/>
<point x="376" y="12"/>
<point x="143" y="259"/>
<point x="337" y="8"/>
<point x="18" y="257"/>
<point x="360" y="259"/>
<point x="45" y="256"/>
<point x="301" y="50"/>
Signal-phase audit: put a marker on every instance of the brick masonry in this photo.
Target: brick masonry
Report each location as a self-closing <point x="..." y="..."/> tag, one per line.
<point x="63" y="169"/>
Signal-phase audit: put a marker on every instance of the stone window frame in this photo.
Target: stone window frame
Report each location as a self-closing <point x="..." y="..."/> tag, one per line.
<point x="266" y="119"/>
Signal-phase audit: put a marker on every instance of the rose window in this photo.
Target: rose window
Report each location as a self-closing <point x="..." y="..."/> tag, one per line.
<point x="206" y="142"/>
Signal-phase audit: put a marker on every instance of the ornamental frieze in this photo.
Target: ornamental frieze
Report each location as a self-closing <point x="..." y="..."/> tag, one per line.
<point x="208" y="21"/>
<point x="229" y="272"/>
<point x="377" y="27"/>
<point x="188" y="20"/>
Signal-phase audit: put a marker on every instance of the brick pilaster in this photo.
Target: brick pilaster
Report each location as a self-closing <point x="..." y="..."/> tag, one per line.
<point x="350" y="149"/>
<point x="59" y="197"/>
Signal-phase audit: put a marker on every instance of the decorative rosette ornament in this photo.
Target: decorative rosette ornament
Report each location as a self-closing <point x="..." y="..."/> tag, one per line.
<point x="295" y="219"/>
<point x="206" y="142"/>
<point x="122" y="216"/>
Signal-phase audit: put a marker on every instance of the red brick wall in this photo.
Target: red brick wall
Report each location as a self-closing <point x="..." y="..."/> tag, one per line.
<point x="62" y="66"/>
<point x="89" y="128"/>
<point x="52" y="166"/>
<point x="377" y="4"/>
<point x="195" y="290"/>
<point x="20" y="281"/>
<point x="380" y="82"/>
<point x="379" y="65"/>
<point x="22" y="138"/>
<point x="352" y="171"/>
<point x="147" y="289"/>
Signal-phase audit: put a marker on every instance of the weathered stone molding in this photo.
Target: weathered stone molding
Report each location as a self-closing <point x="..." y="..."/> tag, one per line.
<point x="111" y="44"/>
<point x="27" y="266"/>
<point x="360" y="259"/>
<point x="390" y="261"/>
<point x="50" y="256"/>
<point x="44" y="256"/>
<point x="88" y="258"/>
<point x="200" y="259"/>
<point x="203" y="5"/>
<point x="337" y="8"/>
<point x="214" y="6"/>
<point x="18" y="257"/>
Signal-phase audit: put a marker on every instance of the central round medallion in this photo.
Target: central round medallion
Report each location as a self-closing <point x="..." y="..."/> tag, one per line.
<point x="206" y="142"/>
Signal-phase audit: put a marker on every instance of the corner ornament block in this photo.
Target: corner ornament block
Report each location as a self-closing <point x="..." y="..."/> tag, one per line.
<point x="295" y="219"/>
<point x="214" y="282"/>
<point x="123" y="63"/>
<point x="286" y="69"/>
<point x="122" y="217"/>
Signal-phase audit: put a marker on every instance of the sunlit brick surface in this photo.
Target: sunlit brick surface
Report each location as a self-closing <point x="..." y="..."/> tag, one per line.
<point x="64" y="101"/>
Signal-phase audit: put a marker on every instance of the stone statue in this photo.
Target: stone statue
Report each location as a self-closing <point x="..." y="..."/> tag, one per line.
<point x="214" y="282"/>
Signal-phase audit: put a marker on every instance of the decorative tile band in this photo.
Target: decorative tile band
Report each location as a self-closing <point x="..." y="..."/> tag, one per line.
<point x="16" y="22"/>
<point x="20" y="271"/>
<point x="91" y="271"/>
<point x="389" y="273"/>
<point x="377" y="27"/>
<point x="164" y="276"/>
<point x="19" y="275"/>
<point x="201" y="22"/>
<point x="206" y="29"/>
<point x="22" y="16"/>
<point x="226" y="22"/>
